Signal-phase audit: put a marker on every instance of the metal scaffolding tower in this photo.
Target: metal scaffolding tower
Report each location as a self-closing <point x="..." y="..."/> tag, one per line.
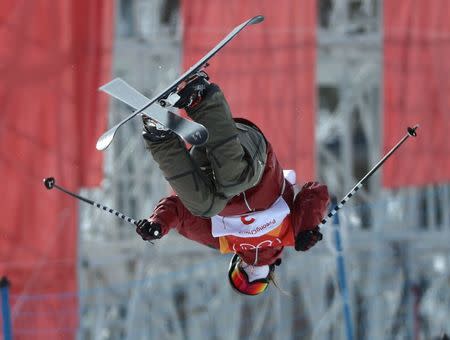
<point x="395" y="242"/>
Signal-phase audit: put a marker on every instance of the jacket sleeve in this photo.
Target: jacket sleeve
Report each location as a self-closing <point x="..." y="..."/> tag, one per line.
<point x="170" y="213"/>
<point x="310" y="206"/>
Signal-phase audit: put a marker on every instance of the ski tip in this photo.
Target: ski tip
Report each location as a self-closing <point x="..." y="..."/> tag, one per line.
<point x="104" y="141"/>
<point x="256" y="20"/>
<point x="104" y="87"/>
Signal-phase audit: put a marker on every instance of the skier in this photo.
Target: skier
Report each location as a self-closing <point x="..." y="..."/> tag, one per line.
<point x="231" y="193"/>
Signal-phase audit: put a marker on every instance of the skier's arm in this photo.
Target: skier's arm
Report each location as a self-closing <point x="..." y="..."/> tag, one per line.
<point x="310" y="206"/>
<point x="165" y="216"/>
<point x="170" y="213"/>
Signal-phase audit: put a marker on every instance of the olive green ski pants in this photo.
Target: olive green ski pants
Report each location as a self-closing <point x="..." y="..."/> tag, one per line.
<point x="230" y="162"/>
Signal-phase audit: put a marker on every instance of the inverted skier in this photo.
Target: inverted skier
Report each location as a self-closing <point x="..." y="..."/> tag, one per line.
<point x="231" y="193"/>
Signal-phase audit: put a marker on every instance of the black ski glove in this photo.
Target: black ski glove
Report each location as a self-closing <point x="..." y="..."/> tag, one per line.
<point x="148" y="230"/>
<point x="306" y="239"/>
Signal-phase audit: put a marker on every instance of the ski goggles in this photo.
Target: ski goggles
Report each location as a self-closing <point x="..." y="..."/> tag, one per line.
<point x="240" y="282"/>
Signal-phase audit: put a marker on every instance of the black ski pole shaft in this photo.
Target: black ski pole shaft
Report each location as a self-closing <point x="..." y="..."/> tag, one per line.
<point x="50" y="183"/>
<point x="411" y="132"/>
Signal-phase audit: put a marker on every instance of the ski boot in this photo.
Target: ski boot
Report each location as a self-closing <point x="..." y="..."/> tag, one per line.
<point x="192" y="91"/>
<point x="155" y="132"/>
<point x="189" y="93"/>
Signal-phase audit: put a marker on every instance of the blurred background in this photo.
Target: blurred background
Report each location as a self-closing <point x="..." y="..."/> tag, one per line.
<point x="332" y="83"/>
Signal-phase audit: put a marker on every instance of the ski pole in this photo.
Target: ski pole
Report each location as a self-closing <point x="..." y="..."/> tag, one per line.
<point x="410" y="132"/>
<point x="6" y="308"/>
<point x="50" y="183"/>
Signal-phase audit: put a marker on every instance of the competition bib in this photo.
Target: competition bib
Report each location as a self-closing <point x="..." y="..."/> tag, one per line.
<point x="256" y="230"/>
<point x="263" y="229"/>
<point x="253" y="224"/>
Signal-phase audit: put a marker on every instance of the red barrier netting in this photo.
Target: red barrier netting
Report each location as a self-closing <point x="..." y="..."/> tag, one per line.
<point x="53" y="56"/>
<point x="267" y="72"/>
<point x="416" y="90"/>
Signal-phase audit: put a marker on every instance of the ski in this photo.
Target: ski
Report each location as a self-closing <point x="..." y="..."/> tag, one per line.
<point x="190" y="131"/>
<point x="105" y="140"/>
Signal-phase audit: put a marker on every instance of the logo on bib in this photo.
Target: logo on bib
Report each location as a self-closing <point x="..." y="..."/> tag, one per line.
<point x="259" y="229"/>
<point x="264" y="244"/>
<point x="247" y="222"/>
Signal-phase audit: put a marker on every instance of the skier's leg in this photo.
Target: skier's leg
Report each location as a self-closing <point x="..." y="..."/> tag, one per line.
<point x="235" y="168"/>
<point x="194" y="188"/>
<point x="237" y="157"/>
